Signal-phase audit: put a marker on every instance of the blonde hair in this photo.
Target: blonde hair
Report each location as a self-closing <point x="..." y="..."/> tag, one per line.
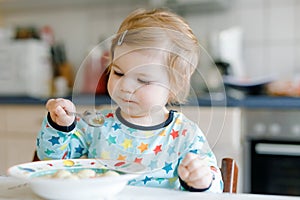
<point x="164" y="30"/>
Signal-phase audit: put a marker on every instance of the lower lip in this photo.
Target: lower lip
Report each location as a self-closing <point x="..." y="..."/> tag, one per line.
<point x="127" y="101"/>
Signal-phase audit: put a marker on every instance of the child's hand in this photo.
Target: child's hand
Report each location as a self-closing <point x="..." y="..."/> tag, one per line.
<point x="58" y="109"/>
<point x="195" y="172"/>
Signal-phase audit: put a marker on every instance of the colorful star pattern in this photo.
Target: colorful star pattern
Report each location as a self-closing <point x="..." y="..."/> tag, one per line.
<point x="94" y="153"/>
<point x="109" y="115"/>
<point x="105" y="155"/>
<point x="143" y="147"/>
<point x="79" y="149"/>
<point x="184" y="132"/>
<point x="116" y="126"/>
<point x="178" y="121"/>
<point x="171" y="150"/>
<point x="163" y="133"/>
<point x="194" y="151"/>
<point x="167" y="167"/>
<point x="157" y="149"/>
<point x="49" y="151"/>
<point x="132" y="130"/>
<point x="127" y="143"/>
<point x="159" y="180"/>
<point x="146" y="179"/>
<point x="54" y="140"/>
<point x="174" y="134"/>
<point x="160" y="150"/>
<point x="172" y="180"/>
<point x="121" y="157"/>
<point x="153" y="164"/>
<point x="201" y="139"/>
<point x="138" y="160"/>
<point x="62" y="135"/>
<point x="111" y="139"/>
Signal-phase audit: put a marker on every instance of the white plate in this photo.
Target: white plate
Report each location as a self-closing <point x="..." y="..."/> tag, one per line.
<point x="247" y="82"/>
<point x="65" y="189"/>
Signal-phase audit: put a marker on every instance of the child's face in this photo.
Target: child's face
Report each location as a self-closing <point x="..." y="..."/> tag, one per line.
<point x="138" y="82"/>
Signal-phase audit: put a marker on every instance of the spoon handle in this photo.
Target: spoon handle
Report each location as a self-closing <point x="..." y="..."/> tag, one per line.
<point x="90" y="117"/>
<point x="72" y="113"/>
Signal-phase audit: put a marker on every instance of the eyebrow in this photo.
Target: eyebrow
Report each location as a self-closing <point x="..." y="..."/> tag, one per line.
<point x="142" y="74"/>
<point x="115" y="65"/>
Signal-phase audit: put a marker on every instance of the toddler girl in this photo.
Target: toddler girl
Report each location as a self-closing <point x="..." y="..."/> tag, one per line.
<point x="152" y="59"/>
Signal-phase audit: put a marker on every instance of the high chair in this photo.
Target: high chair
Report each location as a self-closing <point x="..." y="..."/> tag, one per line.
<point x="229" y="170"/>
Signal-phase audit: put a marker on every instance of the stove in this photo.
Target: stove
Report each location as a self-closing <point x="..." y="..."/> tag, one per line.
<point x="271" y="151"/>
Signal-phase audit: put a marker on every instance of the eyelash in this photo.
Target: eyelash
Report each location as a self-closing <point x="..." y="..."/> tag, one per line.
<point x="144" y="82"/>
<point x="118" y="73"/>
<point x="139" y="80"/>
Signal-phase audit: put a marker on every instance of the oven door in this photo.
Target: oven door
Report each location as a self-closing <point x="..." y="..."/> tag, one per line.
<point x="275" y="167"/>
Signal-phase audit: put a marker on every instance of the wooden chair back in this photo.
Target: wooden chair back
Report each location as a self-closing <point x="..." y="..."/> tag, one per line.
<point x="35" y="157"/>
<point x="229" y="170"/>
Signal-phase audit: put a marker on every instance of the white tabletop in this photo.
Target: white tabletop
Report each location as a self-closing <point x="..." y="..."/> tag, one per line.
<point x="17" y="190"/>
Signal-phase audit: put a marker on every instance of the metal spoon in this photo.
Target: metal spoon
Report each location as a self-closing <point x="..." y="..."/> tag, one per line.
<point x="93" y="118"/>
<point x="123" y="166"/>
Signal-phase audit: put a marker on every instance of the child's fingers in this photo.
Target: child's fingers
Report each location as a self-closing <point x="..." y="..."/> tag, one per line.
<point x="183" y="172"/>
<point x="49" y="104"/>
<point x="197" y="163"/>
<point x="188" y="158"/>
<point x="67" y="105"/>
<point x="185" y="166"/>
<point x="201" y="172"/>
<point x="59" y="111"/>
<point x="202" y="182"/>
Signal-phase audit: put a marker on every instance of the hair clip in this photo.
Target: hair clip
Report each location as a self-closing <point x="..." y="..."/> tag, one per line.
<point x="120" y="41"/>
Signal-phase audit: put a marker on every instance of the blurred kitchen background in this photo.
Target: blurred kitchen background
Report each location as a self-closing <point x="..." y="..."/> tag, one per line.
<point x="261" y="36"/>
<point x="253" y="46"/>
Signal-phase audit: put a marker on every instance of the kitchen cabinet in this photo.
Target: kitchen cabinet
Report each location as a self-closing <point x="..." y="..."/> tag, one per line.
<point x="19" y="125"/>
<point x="221" y="126"/>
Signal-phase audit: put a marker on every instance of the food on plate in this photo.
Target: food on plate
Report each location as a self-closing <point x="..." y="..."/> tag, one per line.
<point x="111" y="173"/>
<point x="73" y="179"/>
<point x="81" y="174"/>
<point x="64" y="174"/>
<point x="86" y="173"/>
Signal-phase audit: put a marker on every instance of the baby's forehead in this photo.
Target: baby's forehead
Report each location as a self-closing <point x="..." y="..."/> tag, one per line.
<point x="145" y="51"/>
<point x="138" y="57"/>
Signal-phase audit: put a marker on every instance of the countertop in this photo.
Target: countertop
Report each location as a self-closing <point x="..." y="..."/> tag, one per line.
<point x="250" y="102"/>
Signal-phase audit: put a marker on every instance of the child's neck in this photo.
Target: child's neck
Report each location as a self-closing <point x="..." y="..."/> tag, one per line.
<point x="150" y="119"/>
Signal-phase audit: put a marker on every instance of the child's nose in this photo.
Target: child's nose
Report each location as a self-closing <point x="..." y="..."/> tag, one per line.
<point x="127" y="85"/>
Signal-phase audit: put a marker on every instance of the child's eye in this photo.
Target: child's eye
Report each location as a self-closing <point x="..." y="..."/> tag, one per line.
<point x="144" y="82"/>
<point x="118" y="73"/>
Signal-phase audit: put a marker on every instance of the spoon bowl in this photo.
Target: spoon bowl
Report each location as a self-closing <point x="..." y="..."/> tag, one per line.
<point x="93" y="118"/>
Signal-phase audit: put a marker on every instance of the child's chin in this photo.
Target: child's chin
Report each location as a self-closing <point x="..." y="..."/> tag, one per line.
<point x="131" y="111"/>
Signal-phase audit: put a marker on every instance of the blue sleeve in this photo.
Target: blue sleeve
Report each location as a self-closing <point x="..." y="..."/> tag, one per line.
<point x="56" y="142"/>
<point x="199" y="145"/>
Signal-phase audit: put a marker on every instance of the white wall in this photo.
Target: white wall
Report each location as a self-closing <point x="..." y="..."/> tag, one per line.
<point x="271" y="33"/>
<point x="271" y="30"/>
<point x="80" y="29"/>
